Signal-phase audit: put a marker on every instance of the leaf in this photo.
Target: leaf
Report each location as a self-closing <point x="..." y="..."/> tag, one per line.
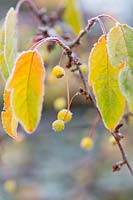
<point x="120" y="45"/>
<point x="3" y="66"/>
<point x="9" y="121"/>
<point x="103" y="78"/>
<point x="10" y="49"/>
<point x="73" y="16"/>
<point x="126" y="85"/>
<point x="8" y="43"/>
<point x="27" y="85"/>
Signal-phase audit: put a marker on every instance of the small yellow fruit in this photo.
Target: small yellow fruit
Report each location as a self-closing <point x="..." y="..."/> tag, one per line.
<point x="10" y="186"/>
<point x="59" y="103"/>
<point x="83" y="68"/>
<point x="86" y="143"/>
<point x="112" y="140"/>
<point x="58" y="71"/>
<point x="58" y="125"/>
<point x="64" y="115"/>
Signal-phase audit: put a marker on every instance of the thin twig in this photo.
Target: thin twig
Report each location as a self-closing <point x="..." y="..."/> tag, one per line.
<point x="109" y="17"/>
<point x="123" y="154"/>
<point x="76" y="41"/>
<point x="73" y="59"/>
<point x="60" y="59"/>
<point x="71" y="100"/>
<point x="102" y="25"/>
<point x="85" y="83"/>
<point x="67" y="88"/>
<point x="52" y="39"/>
<point x="91" y="22"/>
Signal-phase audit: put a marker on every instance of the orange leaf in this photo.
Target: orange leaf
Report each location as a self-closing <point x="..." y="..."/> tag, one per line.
<point x="27" y="86"/>
<point x="8" y="119"/>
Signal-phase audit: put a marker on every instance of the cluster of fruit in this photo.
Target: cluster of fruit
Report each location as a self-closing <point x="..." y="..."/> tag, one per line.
<point x="65" y="115"/>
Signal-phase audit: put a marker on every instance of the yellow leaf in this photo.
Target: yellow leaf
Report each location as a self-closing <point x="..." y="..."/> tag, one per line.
<point x="120" y="45"/>
<point x="126" y="86"/>
<point x="8" y="119"/>
<point x="10" y="48"/>
<point x="27" y="85"/>
<point x="8" y="43"/>
<point x="3" y="66"/>
<point x="103" y="78"/>
<point x="73" y="16"/>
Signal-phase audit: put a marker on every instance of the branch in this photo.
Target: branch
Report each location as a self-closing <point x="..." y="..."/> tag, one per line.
<point x="40" y="14"/>
<point x="85" y="83"/>
<point x="124" y="157"/>
<point x="91" y="22"/>
<point x="109" y="17"/>
<point x="76" y="41"/>
<point x="53" y="39"/>
<point x="46" y="20"/>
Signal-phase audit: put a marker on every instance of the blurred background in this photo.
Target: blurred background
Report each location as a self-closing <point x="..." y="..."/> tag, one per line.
<point x="52" y="166"/>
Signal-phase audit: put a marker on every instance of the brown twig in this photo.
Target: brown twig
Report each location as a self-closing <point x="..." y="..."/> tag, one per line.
<point x="91" y="22"/>
<point x="85" y="83"/>
<point x="124" y="157"/>
<point x="109" y="17"/>
<point x="53" y="39"/>
<point x="76" y="41"/>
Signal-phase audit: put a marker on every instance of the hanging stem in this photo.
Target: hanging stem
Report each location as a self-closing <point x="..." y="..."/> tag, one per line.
<point x="72" y="98"/>
<point x="61" y="55"/>
<point x="101" y="25"/>
<point x="70" y="103"/>
<point x="67" y="88"/>
<point x="109" y="17"/>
